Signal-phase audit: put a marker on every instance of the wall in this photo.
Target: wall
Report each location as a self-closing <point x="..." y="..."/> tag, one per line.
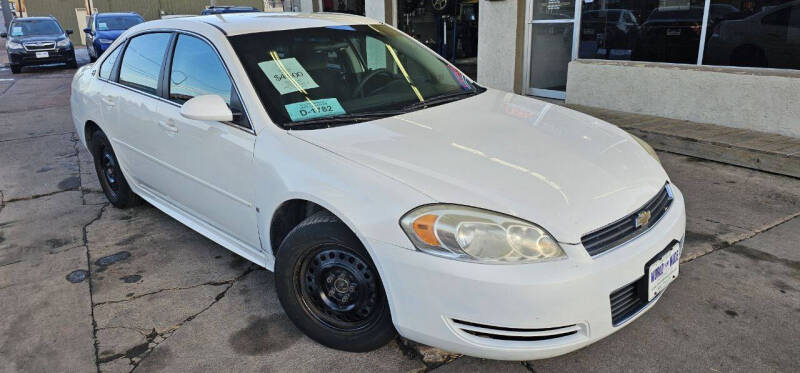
<point x="376" y="9"/>
<point x="64" y="10"/>
<point x="499" y="49"/>
<point x="758" y="99"/>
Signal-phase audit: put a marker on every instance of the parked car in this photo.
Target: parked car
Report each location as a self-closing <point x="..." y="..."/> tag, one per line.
<point x="768" y="38"/>
<point x="222" y="9"/>
<point x="103" y="28"/>
<point x="609" y="34"/>
<point x="38" y="41"/>
<point x="388" y="191"/>
<point x="671" y="34"/>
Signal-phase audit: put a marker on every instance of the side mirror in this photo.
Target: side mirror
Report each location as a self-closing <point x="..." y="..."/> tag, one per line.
<point x="68" y="32"/>
<point x="87" y="30"/>
<point x="3" y="35"/>
<point x="207" y="107"/>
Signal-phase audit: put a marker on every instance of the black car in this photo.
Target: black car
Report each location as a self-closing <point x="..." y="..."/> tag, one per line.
<point x="220" y="9"/>
<point x="38" y="41"/>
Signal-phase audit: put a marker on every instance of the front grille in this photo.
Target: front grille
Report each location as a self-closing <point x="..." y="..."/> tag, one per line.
<point x="40" y="46"/>
<point x="626" y="302"/>
<point x="516" y="334"/>
<point x="627" y="228"/>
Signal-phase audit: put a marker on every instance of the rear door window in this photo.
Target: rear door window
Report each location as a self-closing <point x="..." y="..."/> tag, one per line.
<point x="141" y="63"/>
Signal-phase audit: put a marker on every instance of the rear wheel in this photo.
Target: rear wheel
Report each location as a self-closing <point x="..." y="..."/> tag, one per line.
<point x="330" y="288"/>
<point x="112" y="181"/>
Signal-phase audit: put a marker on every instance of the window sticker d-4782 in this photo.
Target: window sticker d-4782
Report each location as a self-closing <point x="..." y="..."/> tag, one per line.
<point x="324" y="107"/>
<point x="287" y="75"/>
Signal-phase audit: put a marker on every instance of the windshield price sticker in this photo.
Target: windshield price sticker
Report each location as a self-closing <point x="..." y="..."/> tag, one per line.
<point x="287" y="75"/>
<point x="102" y="26"/>
<point x="16" y="31"/>
<point x="324" y="107"/>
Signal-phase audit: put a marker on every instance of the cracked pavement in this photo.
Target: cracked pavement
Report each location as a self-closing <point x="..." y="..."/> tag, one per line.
<point x="160" y="297"/>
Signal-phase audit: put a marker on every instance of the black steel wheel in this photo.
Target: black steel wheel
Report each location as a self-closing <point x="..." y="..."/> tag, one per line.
<point x="330" y="288"/>
<point x="109" y="173"/>
<point x="338" y="288"/>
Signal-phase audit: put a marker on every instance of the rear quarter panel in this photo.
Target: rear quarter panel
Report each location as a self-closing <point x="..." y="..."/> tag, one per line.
<point x="84" y="102"/>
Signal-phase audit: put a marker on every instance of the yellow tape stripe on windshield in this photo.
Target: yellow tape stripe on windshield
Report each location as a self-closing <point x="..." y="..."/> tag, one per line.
<point x="405" y="74"/>
<point x="286" y="72"/>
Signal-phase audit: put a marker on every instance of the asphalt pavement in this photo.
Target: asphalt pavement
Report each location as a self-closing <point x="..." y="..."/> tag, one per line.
<point x="88" y="287"/>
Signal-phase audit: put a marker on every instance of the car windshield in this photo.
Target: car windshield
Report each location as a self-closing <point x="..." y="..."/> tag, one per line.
<point x="35" y="27"/>
<point x="351" y="73"/>
<point x="121" y="22"/>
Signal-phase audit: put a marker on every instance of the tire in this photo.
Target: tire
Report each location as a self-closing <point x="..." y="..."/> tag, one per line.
<point x="440" y="7"/>
<point x="113" y="182"/>
<point x="16" y="69"/>
<point x="329" y="287"/>
<point x="73" y="63"/>
<point x="749" y="56"/>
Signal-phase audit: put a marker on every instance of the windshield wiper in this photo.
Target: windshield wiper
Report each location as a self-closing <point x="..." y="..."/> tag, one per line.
<point x="440" y="99"/>
<point x="342" y="119"/>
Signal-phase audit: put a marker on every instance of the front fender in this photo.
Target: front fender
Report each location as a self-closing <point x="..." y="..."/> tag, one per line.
<point x="369" y="203"/>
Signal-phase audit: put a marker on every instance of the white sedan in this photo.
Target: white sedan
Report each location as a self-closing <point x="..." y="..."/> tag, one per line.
<point x="388" y="191"/>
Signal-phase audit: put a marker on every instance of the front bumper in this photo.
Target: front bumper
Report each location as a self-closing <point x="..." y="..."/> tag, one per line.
<point x="22" y="57"/>
<point x="518" y="312"/>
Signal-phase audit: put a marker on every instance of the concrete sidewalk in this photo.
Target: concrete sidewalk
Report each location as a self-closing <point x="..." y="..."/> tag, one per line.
<point x="752" y="149"/>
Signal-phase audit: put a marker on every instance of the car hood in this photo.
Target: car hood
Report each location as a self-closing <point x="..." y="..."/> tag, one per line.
<point x="110" y="34"/>
<point x="563" y="170"/>
<point x="28" y="39"/>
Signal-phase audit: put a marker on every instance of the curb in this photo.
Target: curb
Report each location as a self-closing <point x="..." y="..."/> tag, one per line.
<point x="788" y="165"/>
<point x="676" y="137"/>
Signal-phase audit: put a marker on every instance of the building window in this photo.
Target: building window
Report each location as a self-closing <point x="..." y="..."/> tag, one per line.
<point x="753" y="33"/>
<point x="641" y="30"/>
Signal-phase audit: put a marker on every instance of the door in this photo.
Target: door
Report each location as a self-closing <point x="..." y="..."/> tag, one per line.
<point x="132" y="104"/>
<point x="552" y="40"/>
<point x="206" y="166"/>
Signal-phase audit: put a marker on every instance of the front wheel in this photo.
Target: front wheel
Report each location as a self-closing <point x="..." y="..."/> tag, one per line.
<point x="106" y="165"/>
<point x="73" y="63"/>
<point x="330" y="288"/>
<point x="16" y="69"/>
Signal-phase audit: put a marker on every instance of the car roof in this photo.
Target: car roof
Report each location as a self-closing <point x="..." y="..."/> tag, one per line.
<point x="118" y="14"/>
<point x="35" y="19"/>
<point x="247" y="23"/>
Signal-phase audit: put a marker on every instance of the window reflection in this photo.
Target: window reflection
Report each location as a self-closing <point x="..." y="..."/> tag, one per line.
<point x="641" y="30"/>
<point x="753" y="33"/>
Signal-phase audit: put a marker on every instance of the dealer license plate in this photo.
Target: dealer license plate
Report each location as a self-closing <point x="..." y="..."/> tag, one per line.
<point x="42" y="54"/>
<point x="663" y="271"/>
<point x="673" y="32"/>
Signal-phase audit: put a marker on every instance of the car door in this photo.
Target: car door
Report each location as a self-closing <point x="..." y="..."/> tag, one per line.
<point x="131" y="102"/>
<point x="207" y="166"/>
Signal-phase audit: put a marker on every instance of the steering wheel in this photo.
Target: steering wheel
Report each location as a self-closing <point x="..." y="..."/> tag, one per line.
<point x="359" y="90"/>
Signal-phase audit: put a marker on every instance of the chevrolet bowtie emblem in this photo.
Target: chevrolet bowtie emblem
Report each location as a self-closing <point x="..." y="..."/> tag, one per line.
<point x="643" y="218"/>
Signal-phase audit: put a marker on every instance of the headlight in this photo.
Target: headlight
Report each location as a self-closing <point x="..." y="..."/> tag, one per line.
<point x="471" y="234"/>
<point x="649" y="149"/>
<point x="105" y="41"/>
<point x="63" y="43"/>
<point x="13" y="45"/>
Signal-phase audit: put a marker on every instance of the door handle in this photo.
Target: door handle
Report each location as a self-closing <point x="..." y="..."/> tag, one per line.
<point x="168" y="126"/>
<point x="108" y="101"/>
